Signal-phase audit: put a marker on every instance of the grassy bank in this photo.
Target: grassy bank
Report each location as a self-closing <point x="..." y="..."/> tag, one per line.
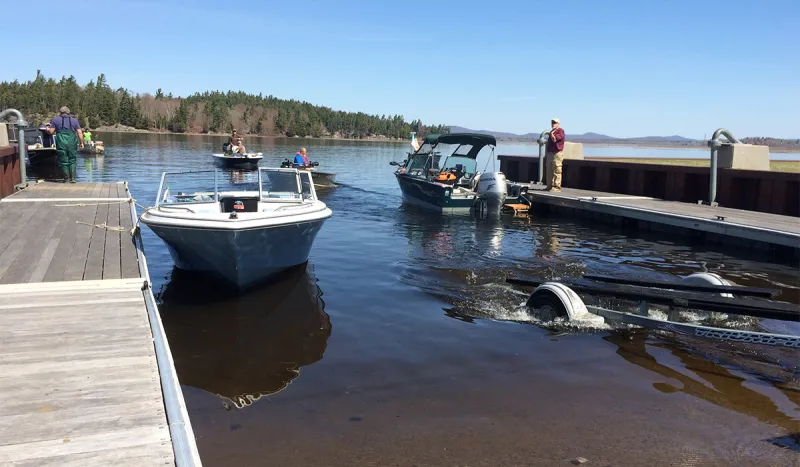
<point x="778" y="166"/>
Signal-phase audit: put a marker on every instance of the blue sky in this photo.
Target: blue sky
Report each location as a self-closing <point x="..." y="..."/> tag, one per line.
<point x="632" y="68"/>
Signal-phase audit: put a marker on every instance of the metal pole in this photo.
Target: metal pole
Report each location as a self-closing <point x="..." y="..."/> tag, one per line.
<point x="714" y="143"/>
<point x="22" y="147"/>
<point x="542" y="142"/>
<point x="160" y="187"/>
<point x="23" y="151"/>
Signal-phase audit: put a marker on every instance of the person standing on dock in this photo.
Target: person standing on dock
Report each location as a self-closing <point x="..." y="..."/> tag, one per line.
<point x="554" y="155"/>
<point x="69" y="137"/>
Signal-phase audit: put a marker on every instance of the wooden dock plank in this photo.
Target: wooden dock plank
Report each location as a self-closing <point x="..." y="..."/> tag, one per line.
<point x="129" y="262"/>
<point x="155" y="454"/>
<point x="103" y="443"/>
<point x="15" y="217"/>
<point x="24" y="400"/>
<point x="38" y="222"/>
<point x="67" y="249"/>
<point x="57" y="269"/>
<point x="79" y="380"/>
<point x="63" y="376"/>
<point x="76" y="262"/>
<point x="43" y="425"/>
<point x="40" y="246"/>
<point x="112" y="257"/>
<point x="63" y="381"/>
<point x="10" y="297"/>
<point x="97" y="244"/>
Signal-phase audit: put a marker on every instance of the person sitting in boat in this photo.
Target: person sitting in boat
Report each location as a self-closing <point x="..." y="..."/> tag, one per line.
<point x="235" y="143"/>
<point x="301" y="159"/>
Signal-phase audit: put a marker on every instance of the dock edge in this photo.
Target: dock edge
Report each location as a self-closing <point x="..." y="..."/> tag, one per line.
<point x="183" y="441"/>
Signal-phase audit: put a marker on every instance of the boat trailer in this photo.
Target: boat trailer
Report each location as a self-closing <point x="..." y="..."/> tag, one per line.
<point x="699" y="291"/>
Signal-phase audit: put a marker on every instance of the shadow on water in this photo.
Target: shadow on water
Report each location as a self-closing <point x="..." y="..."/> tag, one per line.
<point x="763" y="386"/>
<point x="244" y="347"/>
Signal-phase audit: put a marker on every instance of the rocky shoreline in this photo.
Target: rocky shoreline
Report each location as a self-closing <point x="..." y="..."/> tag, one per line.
<point x="129" y="129"/>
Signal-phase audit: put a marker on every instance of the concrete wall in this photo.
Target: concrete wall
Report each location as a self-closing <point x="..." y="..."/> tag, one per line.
<point x="743" y="156"/>
<point x="573" y="150"/>
<point x="3" y="135"/>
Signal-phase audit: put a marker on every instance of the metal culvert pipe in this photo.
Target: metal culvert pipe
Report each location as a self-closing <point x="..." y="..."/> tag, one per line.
<point x="714" y="143"/>
<point x="542" y="144"/>
<point x="21" y="125"/>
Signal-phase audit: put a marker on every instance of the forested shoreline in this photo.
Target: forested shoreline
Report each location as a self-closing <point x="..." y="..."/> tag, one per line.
<point x="96" y="104"/>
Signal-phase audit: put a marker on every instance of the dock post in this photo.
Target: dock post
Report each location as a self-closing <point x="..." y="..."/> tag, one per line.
<point x="22" y="147"/>
<point x="542" y="144"/>
<point x="714" y="143"/>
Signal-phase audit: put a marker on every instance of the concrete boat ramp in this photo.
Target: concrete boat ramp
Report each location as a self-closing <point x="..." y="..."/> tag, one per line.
<point x="86" y="375"/>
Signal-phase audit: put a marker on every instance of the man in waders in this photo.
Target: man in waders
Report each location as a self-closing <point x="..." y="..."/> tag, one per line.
<point x="68" y="138"/>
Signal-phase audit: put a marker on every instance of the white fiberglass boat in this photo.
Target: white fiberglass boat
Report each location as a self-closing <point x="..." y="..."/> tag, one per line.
<point x="244" y="236"/>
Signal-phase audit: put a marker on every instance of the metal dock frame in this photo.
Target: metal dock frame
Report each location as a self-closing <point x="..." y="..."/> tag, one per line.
<point x="183" y="440"/>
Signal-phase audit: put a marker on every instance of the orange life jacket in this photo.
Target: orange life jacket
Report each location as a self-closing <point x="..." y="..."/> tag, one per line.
<point x="445" y="177"/>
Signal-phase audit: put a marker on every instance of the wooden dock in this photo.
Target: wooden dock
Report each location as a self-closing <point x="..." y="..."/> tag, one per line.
<point x="725" y="224"/>
<point x="86" y="377"/>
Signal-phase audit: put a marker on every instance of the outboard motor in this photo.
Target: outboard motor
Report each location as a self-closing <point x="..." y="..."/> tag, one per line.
<point x="492" y="190"/>
<point x="286" y="164"/>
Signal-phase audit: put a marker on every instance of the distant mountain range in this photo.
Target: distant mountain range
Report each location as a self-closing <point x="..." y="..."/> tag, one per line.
<point x="596" y="137"/>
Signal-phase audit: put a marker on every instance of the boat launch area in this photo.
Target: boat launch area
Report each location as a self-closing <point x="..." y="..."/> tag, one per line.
<point x="86" y="374"/>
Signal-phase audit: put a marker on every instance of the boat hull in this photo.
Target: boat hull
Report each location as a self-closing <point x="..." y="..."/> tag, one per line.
<point x="92" y="149"/>
<point x="244" y="258"/>
<point x="42" y="156"/>
<point x="323" y="179"/>
<point x="237" y="162"/>
<point x="432" y="196"/>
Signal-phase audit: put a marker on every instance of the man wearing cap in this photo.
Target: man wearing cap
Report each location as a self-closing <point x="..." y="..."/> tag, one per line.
<point x="554" y="156"/>
<point x="69" y="137"/>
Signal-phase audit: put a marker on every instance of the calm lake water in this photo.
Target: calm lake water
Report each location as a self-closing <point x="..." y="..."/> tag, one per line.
<point x="400" y="344"/>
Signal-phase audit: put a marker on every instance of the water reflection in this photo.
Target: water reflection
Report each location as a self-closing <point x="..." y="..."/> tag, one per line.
<point x="244" y="347"/>
<point x="761" y="386"/>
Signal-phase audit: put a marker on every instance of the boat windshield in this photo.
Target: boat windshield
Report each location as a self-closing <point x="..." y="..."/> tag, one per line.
<point x="419" y="163"/>
<point x="307" y="184"/>
<point x="280" y="185"/>
<point x="465" y="165"/>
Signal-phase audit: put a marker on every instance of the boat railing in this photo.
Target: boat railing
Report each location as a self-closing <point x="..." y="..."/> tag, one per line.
<point x="269" y="184"/>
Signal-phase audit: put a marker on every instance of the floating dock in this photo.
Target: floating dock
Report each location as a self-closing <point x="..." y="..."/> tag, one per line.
<point x="86" y="375"/>
<point x="722" y="224"/>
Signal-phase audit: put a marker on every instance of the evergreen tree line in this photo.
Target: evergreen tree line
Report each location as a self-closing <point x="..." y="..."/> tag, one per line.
<point x="97" y="104"/>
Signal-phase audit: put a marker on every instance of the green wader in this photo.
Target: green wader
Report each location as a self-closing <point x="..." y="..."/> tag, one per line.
<point x="67" y="150"/>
